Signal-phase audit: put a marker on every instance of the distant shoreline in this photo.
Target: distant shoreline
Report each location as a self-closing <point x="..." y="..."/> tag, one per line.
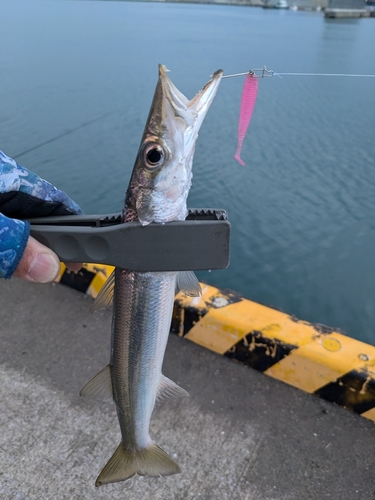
<point x="218" y="2"/>
<point x="327" y="12"/>
<point x="241" y="3"/>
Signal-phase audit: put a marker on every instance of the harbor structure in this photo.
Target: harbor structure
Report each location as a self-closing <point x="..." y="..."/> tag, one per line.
<point x="346" y="9"/>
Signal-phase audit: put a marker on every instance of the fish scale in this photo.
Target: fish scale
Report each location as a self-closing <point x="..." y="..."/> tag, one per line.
<point x="143" y="305"/>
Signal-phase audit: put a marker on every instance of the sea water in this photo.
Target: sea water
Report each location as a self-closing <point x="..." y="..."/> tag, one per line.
<point x="302" y="209"/>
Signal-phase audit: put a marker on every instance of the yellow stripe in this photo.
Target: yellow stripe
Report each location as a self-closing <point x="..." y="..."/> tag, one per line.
<point x="62" y="271"/>
<point x="102" y="274"/>
<point x="223" y="327"/>
<point x="322" y="361"/>
<point x="370" y="414"/>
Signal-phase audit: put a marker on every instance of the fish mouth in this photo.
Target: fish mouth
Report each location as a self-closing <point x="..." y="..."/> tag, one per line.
<point x="192" y="111"/>
<point x="175" y="119"/>
<point x="172" y="115"/>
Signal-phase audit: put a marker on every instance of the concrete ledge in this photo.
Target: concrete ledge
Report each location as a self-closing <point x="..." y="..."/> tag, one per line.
<point x="240" y="435"/>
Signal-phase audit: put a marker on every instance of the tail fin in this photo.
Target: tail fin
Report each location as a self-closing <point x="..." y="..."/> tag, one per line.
<point x="153" y="461"/>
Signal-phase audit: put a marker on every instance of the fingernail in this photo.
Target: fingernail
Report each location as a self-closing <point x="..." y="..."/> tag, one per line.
<point x="44" y="268"/>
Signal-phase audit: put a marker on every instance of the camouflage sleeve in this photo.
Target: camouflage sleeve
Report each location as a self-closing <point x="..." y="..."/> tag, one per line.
<point x="13" y="239"/>
<point x="24" y="194"/>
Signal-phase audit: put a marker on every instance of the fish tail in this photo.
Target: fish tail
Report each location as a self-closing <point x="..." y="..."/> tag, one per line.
<point x="152" y="461"/>
<point x="237" y="156"/>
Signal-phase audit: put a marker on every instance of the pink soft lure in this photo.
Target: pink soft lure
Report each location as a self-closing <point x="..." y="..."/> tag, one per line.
<point x="249" y="95"/>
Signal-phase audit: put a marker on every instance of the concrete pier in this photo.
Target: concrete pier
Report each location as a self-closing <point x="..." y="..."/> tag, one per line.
<point x="240" y="435"/>
<point x="346" y="13"/>
<point x="346" y="9"/>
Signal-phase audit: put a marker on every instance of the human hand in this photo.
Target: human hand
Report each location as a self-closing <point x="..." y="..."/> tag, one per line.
<point x="23" y="194"/>
<point x="40" y="264"/>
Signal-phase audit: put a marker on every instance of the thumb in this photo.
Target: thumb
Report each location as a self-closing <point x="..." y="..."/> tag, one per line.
<point x="38" y="264"/>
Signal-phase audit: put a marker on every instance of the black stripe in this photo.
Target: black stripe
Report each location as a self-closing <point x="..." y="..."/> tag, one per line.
<point x="258" y="351"/>
<point x="184" y="318"/>
<point x="79" y="281"/>
<point x="354" y="390"/>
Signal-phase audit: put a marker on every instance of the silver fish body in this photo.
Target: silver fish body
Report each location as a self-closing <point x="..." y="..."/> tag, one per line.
<point x="143" y="302"/>
<point x="143" y="305"/>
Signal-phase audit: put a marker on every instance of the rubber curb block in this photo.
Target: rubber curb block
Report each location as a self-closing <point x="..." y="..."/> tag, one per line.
<point x="315" y="358"/>
<point x="89" y="279"/>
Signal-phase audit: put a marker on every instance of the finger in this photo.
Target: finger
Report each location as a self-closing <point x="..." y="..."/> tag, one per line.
<point x="38" y="264"/>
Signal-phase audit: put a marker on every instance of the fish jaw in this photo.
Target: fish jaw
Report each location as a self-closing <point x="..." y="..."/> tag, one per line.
<point x="162" y="173"/>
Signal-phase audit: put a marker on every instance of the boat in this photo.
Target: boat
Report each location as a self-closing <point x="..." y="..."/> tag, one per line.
<point x="281" y="4"/>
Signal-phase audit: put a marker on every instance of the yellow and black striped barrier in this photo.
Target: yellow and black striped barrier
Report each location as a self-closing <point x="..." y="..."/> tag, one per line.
<point x="89" y="279"/>
<point x="312" y="357"/>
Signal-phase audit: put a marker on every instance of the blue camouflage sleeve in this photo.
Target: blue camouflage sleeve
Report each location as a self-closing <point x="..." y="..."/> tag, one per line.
<point x="13" y="239"/>
<point x="23" y="195"/>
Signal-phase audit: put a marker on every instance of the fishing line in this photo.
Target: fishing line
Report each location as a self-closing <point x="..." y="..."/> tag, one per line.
<point x="249" y="94"/>
<point x="324" y="74"/>
<point x="268" y="73"/>
<point x="67" y="132"/>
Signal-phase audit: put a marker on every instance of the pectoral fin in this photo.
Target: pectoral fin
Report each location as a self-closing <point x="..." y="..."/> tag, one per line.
<point x="188" y="283"/>
<point x="105" y="296"/>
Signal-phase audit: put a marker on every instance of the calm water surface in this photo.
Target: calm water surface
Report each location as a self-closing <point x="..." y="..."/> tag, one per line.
<point x="302" y="210"/>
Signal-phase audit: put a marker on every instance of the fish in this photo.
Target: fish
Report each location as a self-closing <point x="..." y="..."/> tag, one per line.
<point x="143" y="301"/>
<point x="248" y="98"/>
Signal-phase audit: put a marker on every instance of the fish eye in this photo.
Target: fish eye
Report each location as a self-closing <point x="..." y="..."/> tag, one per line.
<point x="153" y="155"/>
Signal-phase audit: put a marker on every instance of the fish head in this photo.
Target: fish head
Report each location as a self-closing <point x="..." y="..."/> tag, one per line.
<point x="162" y="173"/>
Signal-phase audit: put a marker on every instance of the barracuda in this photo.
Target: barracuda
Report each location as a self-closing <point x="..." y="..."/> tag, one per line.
<point x="143" y="301"/>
